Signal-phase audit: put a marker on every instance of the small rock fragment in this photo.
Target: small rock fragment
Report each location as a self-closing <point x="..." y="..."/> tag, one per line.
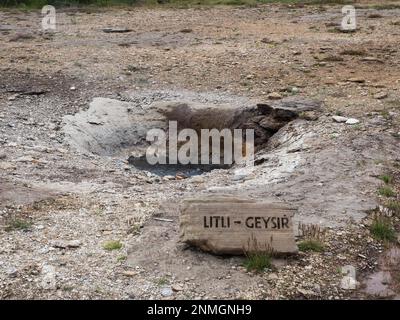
<point x="49" y="277"/>
<point x="166" y="292"/>
<point x="177" y="287"/>
<point x="274" y="96"/>
<point x="356" y="80"/>
<point x="381" y="95"/>
<point x="129" y="273"/>
<point x="352" y="121"/>
<point x="339" y="119"/>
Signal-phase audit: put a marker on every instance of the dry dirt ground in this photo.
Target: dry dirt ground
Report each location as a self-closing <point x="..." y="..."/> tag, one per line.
<point x="58" y="207"/>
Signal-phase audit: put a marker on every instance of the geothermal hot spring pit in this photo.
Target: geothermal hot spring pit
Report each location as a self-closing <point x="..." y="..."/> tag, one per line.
<point x="114" y="128"/>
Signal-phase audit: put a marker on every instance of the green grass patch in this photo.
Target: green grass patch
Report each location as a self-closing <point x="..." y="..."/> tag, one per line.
<point x="311" y="245"/>
<point x="386" y="178"/>
<point x="112" y="245"/>
<point x="121" y="258"/>
<point x="386" y="191"/>
<point x="394" y="206"/>
<point x="382" y="229"/>
<point x="257" y="261"/>
<point x="18" y="224"/>
<point x="161" y="281"/>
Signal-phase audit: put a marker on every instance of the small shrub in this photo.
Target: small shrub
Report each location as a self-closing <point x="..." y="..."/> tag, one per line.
<point x="112" y="245"/>
<point x="381" y="229"/>
<point x="386" y="191"/>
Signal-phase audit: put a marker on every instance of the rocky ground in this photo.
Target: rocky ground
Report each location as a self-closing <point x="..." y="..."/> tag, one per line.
<point x="60" y="207"/>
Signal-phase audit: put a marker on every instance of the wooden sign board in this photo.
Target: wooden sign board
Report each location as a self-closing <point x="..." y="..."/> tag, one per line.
<point x="229" y="225"/>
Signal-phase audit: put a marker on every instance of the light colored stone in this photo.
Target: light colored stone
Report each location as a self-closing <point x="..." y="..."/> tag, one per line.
<point x="274" y="96"/>
<point x="339" y="119"/>
<point x="166" y="292"/>
<point x="352" y="121"/>
<point x="49" y="277"/>
<point x="197" y="179"/>
<point x="129" y="273"/>
<point x="230" y="225"/>
<point x="177" y="287"/>
<point x="4" y="165"/>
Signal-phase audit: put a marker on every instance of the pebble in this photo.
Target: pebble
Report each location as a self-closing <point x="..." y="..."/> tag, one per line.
<point x="352" y="121"/>
<point x="168" y="178"/>
<point x="381" y="95"/>
<point x="166" y="292"/>
<point x="274" y="96"/>
<point x="197" y="179"/>
<point x="129" y="273"/>
<point x="176" y="287"/>
<point x="339" y="119"/>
